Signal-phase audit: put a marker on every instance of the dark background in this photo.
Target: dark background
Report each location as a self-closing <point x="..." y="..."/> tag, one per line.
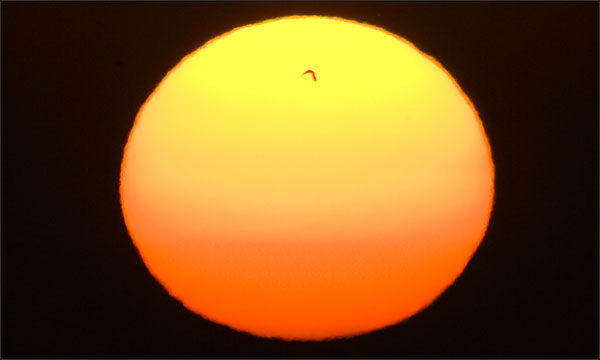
<point x="75" y="74"/>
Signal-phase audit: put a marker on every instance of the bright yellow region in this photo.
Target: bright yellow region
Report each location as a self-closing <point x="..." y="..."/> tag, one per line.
<point x="301" y="209"/>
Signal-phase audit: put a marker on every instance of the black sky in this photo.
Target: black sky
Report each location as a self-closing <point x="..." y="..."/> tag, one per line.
<point x="75" y="74"/>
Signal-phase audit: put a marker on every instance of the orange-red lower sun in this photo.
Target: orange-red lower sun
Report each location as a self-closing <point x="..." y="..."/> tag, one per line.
<point x="307" y="178"/>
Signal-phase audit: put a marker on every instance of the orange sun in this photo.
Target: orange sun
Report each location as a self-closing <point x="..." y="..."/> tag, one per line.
<point x="307" y="178"/>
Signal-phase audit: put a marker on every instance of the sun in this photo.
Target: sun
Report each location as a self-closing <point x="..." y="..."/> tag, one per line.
<point x="307" y="178"/>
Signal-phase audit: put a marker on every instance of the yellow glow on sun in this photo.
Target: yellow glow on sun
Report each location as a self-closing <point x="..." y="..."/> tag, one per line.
<point x="305" y="207"/>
